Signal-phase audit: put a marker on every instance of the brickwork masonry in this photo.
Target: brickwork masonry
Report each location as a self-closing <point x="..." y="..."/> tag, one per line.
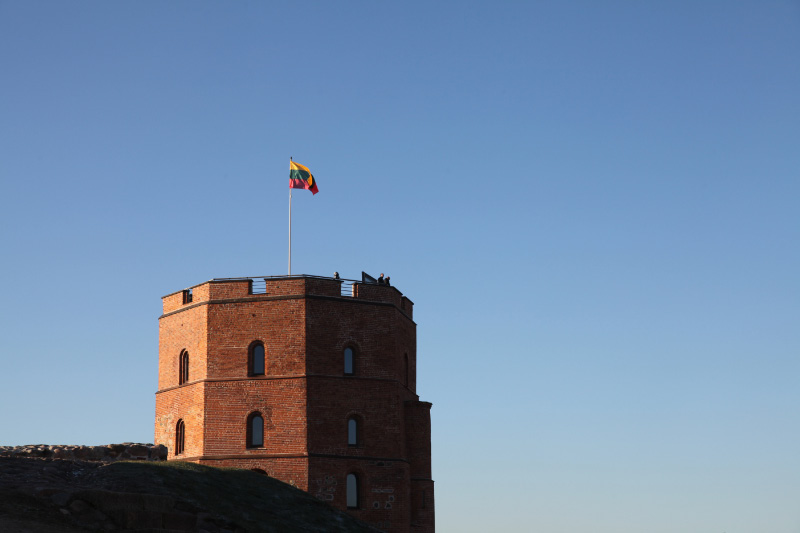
<point x="307" y="393"/>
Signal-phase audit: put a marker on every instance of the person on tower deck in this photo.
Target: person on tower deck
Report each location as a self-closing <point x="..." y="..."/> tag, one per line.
<point x="381" y="281"/>
<point x="387" y="280"/>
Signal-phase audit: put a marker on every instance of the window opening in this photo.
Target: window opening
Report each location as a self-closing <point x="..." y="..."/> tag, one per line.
<point x="180" y="437"/>
<point x="183" y="370"/>
<point x="348" y="361"/>
<point x="352" y="432"/>
<point x="257" y="359"/>
<point x="352" y="491"/>
<point x="255" y="431"/>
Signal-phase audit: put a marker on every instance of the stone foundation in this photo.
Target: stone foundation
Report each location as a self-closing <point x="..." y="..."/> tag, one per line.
<point x="127" y="451"/>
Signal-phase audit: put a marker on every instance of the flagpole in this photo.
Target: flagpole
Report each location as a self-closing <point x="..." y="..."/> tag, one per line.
<point x="290" y="225"/>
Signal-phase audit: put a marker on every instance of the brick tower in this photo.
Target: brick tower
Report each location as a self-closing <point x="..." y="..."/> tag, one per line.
<point x="311" y="380"/>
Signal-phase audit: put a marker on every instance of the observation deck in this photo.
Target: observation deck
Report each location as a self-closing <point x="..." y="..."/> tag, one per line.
<point x="219" y="290"/>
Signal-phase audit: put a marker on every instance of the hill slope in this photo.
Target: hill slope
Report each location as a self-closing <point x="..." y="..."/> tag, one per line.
<point x="69" y="496"/>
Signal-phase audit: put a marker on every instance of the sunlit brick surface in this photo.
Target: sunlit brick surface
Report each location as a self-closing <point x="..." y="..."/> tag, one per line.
<point x="304" y="396"/>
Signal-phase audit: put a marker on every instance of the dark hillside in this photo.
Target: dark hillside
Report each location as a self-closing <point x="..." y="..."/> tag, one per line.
<point x="69" y="496"/>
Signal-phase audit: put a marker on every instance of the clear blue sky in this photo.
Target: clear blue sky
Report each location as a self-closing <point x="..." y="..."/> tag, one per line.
<point x="593" y="205"/>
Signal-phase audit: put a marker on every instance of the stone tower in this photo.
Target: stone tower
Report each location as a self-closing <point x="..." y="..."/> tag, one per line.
<point x="308" y="379"/>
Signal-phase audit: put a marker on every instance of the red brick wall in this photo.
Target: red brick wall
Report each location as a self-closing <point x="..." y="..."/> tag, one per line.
<point x="304" y="398"/>
<point x="173" y="301"/>
<point x="418" y="452"/>
<point x="376" y="405"/>
<point x="418" y="437"/>
<point x="383" y="489"/>
<point x="291" y="470"/>
<point x="379" y="334"/>
<point x="281" y="402"/>
<point x="185" y="402"/>
<point x="423" y="519"/>
<point x="222" y="290"/>
<point x="185" y="330"/>
<point x="279" y="324"/>
<point x="177" y="332"/>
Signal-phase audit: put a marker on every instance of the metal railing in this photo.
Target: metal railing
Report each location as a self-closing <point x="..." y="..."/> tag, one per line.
<point x="348" y="288"/>
<point x="258" y="286"/>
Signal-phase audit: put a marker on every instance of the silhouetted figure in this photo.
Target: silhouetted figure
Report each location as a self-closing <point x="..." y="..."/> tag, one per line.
<point x="387" y="280"/>
<point x="335" y="275"/>
<point x="381" y="281"/>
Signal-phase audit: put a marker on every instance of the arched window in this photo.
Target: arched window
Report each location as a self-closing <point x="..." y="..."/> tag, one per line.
<point x="180" y="437"/>
<point x="257" y="359"/>
<point x="183" y="368"/>
<point x="348" y="361"/>
<point x="405" y="370"/>
<point x="352" y="431"/>
<point x="255" y="430"/>
<point x="352" y="491"/>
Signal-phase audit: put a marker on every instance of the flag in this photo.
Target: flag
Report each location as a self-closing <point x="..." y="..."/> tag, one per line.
<point x="300" y="178"/>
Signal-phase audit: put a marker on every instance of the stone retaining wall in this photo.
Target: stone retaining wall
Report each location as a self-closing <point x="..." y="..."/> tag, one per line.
<point x="127" y="451"/>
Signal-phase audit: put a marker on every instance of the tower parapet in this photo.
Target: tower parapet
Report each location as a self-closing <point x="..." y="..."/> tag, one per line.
<point x="282" y="286"/>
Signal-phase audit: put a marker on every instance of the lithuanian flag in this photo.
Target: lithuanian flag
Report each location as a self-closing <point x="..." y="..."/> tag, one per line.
<point x="300" y="178"/>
